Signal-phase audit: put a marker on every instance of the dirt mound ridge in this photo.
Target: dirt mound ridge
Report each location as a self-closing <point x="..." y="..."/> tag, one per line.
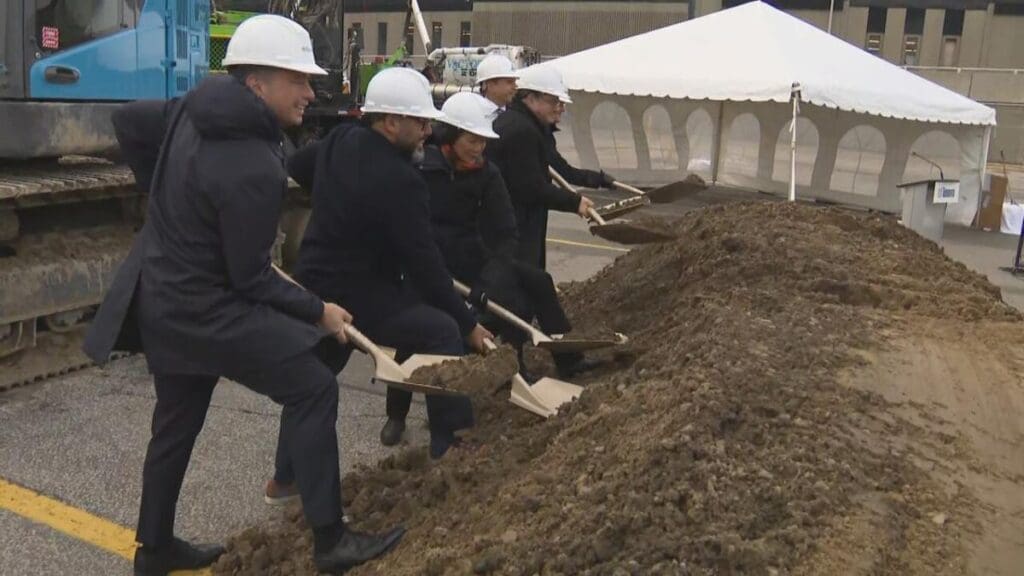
<point x="722" y="442"/>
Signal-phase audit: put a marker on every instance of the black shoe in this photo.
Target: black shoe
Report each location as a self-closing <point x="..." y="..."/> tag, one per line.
<point x="355" y="548"/>
<point x="178" y="555"/>
<point x="392" y="431"/>
<point x="573" y="363"/>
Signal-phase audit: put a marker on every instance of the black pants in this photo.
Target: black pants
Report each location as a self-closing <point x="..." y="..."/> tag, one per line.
<point x="308" y="393"/>
<point x="423" y="329"/>
<point x="527" y="292"/>
<point x="334" y="356"/>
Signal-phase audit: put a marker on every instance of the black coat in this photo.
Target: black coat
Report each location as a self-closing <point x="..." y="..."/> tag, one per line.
<point x="197" y="283"/>
<point x="369" y="245"/>
<point x="523" y="153"/>
<point x="471" y="214"/>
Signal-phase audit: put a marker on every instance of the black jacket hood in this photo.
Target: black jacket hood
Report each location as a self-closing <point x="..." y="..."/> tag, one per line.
<point x="222" y="108"/>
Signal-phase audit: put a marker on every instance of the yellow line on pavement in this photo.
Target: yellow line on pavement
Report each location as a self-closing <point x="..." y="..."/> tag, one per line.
<point x="588" y="245"/>
<point x="72" y="521"/>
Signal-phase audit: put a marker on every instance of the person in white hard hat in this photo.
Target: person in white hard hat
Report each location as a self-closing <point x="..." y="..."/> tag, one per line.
<point x="198" y="295"/>
<point x="369" y="247"/>
<point x="475" y="227"/>
<point x="525" y="150"/>
<point x="496" y="77"/>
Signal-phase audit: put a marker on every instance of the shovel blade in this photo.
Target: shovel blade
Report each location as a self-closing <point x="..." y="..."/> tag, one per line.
<point x="395" y="375"/>
<point x="628" y="233"/>
<point x="622" y="207"/>
<point x="544" y="396"/>
<point x="678" y="190"/>
<point x="566" y="345"/>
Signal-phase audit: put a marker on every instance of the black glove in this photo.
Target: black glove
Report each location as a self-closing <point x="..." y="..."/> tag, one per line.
<point x="478" y="298"/>
<point x="607" y="180"/>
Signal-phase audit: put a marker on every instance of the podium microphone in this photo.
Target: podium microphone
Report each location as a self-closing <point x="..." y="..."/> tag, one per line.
<point x="941" y="175"/>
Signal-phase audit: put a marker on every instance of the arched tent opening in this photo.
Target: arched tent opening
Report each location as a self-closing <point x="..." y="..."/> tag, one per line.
<point x="700" y="133"/>
<point x="612" y="131"/>
<point x="859" y="160"/>
<point x="806" y="153"/>
<point x="660" y="140"/>
<point x="742" y="146"/>
<point x="941" y="148"/>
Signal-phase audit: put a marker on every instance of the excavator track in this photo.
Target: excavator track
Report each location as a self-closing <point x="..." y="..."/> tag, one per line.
<point x="65" y="227"/>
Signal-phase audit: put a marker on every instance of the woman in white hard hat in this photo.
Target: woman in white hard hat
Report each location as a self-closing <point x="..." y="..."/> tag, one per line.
<point x="199" y="292"/>
<point x="475" y="228"/>
<point x="525" y="150"/>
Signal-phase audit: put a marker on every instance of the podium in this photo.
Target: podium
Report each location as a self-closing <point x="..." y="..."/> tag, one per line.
<point x="924" y="205"/>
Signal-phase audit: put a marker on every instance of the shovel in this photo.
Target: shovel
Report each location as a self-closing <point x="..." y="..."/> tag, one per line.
<point x="386" y="370"/>
<point x="540" y="339"/>
<point x="623" y="232"/>
<point x="670" y="192"/>
<point x="542" y="398"/>
<point x="622" y="207"/>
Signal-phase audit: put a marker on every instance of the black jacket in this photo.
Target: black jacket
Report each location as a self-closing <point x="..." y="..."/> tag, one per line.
<point x="206" y="298"/>
<point x="369" y="245"/>
<point x="471" y="214"/>
<point x="523" y="153"/>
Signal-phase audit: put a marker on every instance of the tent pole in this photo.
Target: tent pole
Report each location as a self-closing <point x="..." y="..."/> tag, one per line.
<point x="716" y="139"/>
<point x="831" y="7"/>
<point x="795" y="96"/>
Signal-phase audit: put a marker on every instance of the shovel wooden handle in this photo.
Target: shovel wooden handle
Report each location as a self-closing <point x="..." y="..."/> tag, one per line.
<point x="591" y="213"/>
<point x="501" y="312"/>
<point x="628" y="188"/>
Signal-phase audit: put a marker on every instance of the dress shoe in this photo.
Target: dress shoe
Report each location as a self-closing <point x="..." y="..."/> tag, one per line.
<point x="355" y="548"/>
<point x="178" y="555"/>
<point x="278" y="494"/>
<point x="391" y="433"/>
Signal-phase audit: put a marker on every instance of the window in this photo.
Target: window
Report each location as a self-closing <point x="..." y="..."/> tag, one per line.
<point x="62" y="24"/>
<point x="876" y="30"/>
<point x="952" y="28"/>
<point x="435" y="34"/>
<point x="913" y="27"/>
<point x="355" y="34"/>
<point x="382" y="37"/>
<point x="953" y="24"/>
<point x="950" y="51"/>
<point x="876" y="19"/>
<point x="410" y="36"/>
<point x="465" y="34"/>
<point x="914" y="24"/>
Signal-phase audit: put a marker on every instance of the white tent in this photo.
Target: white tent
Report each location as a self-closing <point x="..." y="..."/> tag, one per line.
<point x="715" y="95"/>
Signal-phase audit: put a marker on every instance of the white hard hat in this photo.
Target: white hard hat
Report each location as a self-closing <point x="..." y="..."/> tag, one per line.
<point x="495" y="66"/>
<point x="545" y="79"/>
<point x="470" y="112"/>
<point x="401" y="91"/>
<point x="275" y="41"/>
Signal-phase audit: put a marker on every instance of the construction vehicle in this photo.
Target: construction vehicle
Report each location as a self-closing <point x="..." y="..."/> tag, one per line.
<point x="67" y="217"/>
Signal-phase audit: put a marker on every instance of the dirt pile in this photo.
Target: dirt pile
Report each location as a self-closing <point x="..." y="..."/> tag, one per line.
<point x="720" y="441"/>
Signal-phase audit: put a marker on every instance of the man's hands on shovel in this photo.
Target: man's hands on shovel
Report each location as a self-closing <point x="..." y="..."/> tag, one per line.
<point x="478" y="338"/>
<point x="585" y="205"/>
<point x="334" y="320"/>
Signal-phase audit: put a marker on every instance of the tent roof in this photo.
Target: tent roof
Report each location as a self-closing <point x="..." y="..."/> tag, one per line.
<point x="754" y="52"/>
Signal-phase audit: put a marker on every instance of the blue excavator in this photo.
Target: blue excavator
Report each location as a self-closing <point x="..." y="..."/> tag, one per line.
<point x="67" y="217"/>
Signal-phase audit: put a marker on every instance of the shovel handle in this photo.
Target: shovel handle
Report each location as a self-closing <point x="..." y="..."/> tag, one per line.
<point x="501" y="312"/>
<point x="591" y="213"/>
<point x="628" y="188"/>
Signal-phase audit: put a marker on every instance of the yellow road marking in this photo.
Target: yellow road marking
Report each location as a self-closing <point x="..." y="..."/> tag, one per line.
<point x="72" y="521"/>
<point x="588" y="245"/>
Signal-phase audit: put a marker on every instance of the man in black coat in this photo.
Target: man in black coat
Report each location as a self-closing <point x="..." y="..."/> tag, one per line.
<point x="369" y="244"/>
<point x="525" y="151"/>
<point x="199" y="294"/>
